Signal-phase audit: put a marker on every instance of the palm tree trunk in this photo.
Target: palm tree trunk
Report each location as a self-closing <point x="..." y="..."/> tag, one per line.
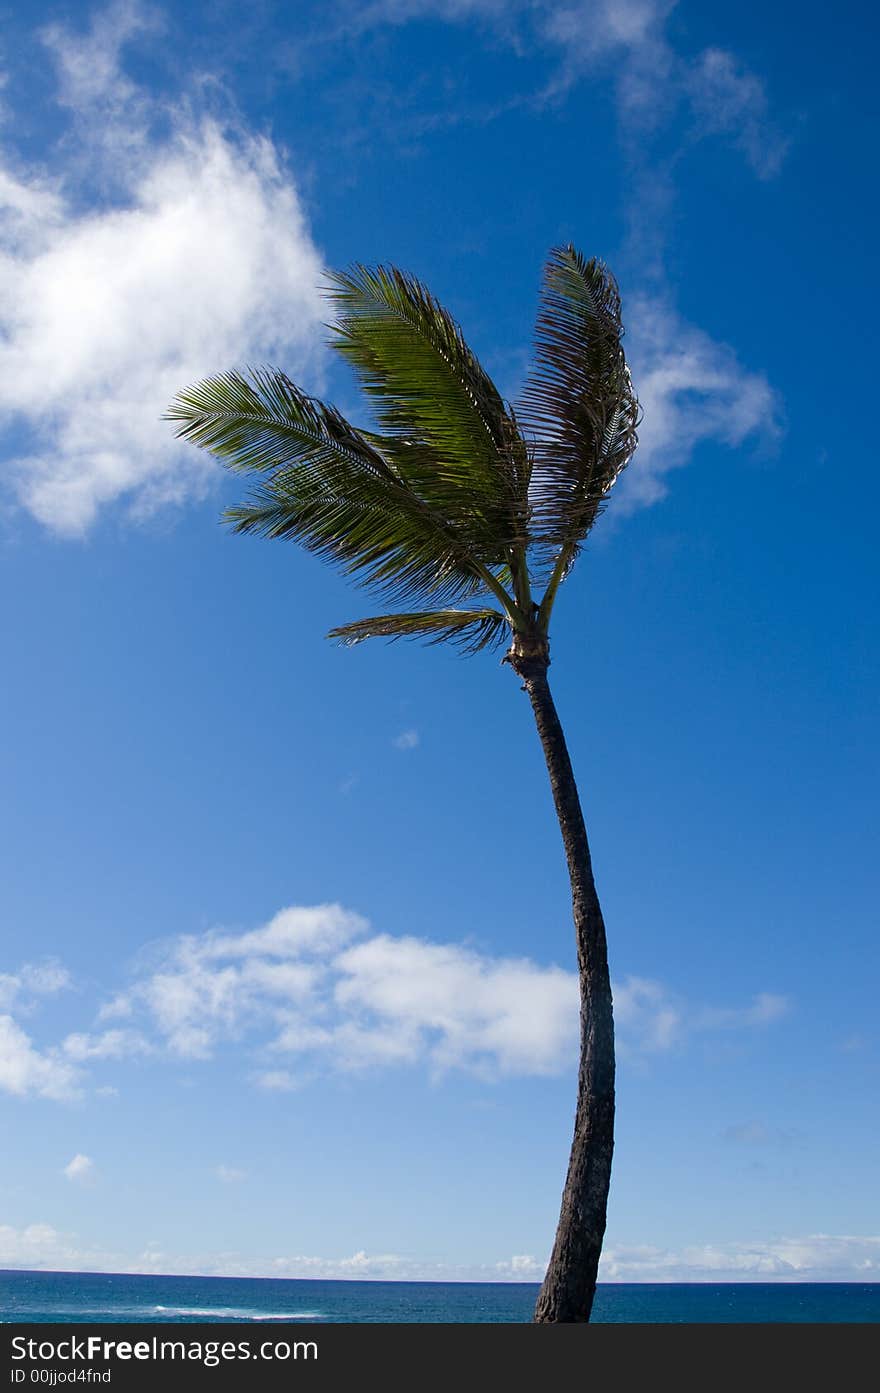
<point x="570" y="1283"/>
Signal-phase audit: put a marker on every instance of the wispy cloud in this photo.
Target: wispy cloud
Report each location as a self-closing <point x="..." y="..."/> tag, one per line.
<point x="628" y="41"/>
<point x="31" y="982"/>
<point x="653" y="1019"/>
<point x="692" y="390"/>
<point x="649" y="1019"/>
<point x="107" y="1044"/>
<point x="80" y="1169"/>
<point x="275" y="1081"/>
<point x="406" y="740"/>
<point x="229" y="1175"/>
<point x="91" y="78"/>
<point x="766" y="1008"/>
<point x="727" y="99"/>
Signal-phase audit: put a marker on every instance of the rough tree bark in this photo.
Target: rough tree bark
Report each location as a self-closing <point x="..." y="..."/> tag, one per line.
<point x="570" y="1284"/>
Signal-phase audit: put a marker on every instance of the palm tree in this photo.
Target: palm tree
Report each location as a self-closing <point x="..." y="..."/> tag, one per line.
<point x="470" y="515"/>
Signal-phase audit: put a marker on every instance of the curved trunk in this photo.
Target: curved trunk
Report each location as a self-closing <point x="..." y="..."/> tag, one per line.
<point x="570" y="1283"/>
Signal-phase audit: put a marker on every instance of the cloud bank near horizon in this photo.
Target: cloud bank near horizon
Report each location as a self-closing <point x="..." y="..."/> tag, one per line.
<point x="807" y="1258"/>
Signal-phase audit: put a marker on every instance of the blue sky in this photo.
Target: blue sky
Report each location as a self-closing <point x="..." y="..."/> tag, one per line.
<point x="287" y="982"/>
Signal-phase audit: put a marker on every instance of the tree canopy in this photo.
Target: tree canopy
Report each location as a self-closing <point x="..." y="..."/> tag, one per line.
<point x="459" y="506"/>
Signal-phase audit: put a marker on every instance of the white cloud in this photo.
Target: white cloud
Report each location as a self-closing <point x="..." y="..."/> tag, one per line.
<point x="28" y="210"/>
<point x="630" y="40"/>
<point x="522" y="1267"/>
<point x="406" y="740"/>
<point x="813" y="1258"/>
<point x="202" y="260"/>
<point x="89" y="69"/>
<point x="118" y="1007"/>
<point x="627" y="33"/>
<point x="729" y="99"/>
<point x="647" y="1018"/>
<point x="766" y="1008"/>
<point x="33" y="980"/>
<point x="650" y="1019"/>
<point x="43" y="1248"/>
<point x="406" y="998"/>
<point x="317" y="984"/>
<point x="80" y="1169"/>
<point x="110" y="1044"/>
<point x="214" y="984"/>
<point x="606" y="25"/>
<point x="275" y="1081"/>
<point x="365" y="14"/>
<point x="290" y="932"/>
<point x="24" y="1070"/>
<point x="230" y="1175"/>
<point x="362" y="1262"/>
<point x="653" y="78"/>
<point x="106" y="312"/>
<point x="382" y="1000"/>
<point x="692" y="389"/>
<point x="45" y="978"/>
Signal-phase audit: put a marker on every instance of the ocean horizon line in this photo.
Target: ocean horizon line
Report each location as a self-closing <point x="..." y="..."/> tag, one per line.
<point x="765" y="1279"/>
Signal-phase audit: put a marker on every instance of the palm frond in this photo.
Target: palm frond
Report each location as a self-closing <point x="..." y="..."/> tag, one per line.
<point x="323" y="483"/>
<point x="445" y="424"/>
<point x="453" y="498"/>
<point x="471" y="629"/>
<point x="252" y="424"/>
<point x="578" y="405"/>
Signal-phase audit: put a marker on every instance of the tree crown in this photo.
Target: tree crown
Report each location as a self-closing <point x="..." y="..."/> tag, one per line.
<point x="468" y="511"/>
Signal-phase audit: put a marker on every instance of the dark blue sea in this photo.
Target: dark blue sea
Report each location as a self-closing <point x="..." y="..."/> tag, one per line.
<point x="91" y="1296"/>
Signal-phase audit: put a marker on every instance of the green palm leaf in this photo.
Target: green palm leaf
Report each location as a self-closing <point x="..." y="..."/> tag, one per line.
<point x="578" y="404"/>
<point x="471" y="629"/>
<point x="327" y="485"/>
<point x="453" y="498"/>
<point x="446" y="426"/>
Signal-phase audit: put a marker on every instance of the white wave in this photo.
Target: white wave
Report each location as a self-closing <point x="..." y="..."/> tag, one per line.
<point x="237" y="1313"/>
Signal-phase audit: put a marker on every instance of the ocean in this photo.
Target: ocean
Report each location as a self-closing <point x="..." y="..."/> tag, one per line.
<point x="97" y="1296"/>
